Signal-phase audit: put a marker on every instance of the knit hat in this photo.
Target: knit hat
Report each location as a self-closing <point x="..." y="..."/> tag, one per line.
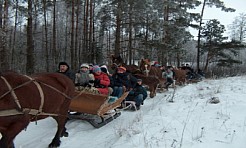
<point x="139" y="80"/>
<point x="123" y="68"/>
<point x="96" y="69"/>
<point x="84" y="65"/>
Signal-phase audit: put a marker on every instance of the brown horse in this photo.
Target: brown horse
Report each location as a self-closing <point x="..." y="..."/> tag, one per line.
<point x="24" y="99"/>
<point x="118" y="61"/>
<point x="147" y="69"/>
<point x="151" y="71"/>
<point x="180" y="76"/>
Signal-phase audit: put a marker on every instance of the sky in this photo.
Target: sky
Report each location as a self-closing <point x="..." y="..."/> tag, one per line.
<point x="225" y="18"/>
<point x="191" y="121"/>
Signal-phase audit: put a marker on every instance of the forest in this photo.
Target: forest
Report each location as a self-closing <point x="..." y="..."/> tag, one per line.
<point x="35" y="35"/>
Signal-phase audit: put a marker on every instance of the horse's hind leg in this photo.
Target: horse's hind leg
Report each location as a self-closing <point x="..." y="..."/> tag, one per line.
<point x="152" y="92"/>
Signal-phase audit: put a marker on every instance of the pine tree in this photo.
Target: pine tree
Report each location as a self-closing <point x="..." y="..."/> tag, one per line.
<point x="215" y="46"/>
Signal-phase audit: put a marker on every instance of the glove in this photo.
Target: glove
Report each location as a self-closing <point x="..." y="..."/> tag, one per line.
<point x="97" y="81"/>
<point x="91" y="81"/>
<point x="86" y="84"/>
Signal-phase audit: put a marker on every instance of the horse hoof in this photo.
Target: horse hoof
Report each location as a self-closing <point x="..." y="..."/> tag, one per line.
<point x="65" y="134"/>
<point x="54" y="145"/>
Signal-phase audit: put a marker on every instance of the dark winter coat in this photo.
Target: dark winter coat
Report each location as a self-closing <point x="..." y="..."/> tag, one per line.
<point x="124" y="79"/>
<point x="69" y="74"/>
<point x="138" y="89"/>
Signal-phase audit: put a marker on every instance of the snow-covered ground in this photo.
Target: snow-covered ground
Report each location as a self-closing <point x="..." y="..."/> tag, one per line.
<point x="188" y="122"/>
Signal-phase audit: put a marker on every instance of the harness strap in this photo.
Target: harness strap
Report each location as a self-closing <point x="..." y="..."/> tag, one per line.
<point x="23" y="84"/>
<point x="40" y="92"/>
<point x="12" y="112"/>
<point x="12" y="92"/>
<point x="117" y="65"/>
<point x="24" y="110"/>
<point x="58" y="91"/>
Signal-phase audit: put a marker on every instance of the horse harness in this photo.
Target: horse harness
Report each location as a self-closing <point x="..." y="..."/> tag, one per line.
<point x="20" y="110"/>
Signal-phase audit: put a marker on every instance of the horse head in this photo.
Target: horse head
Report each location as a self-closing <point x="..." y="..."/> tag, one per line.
<point x="117" y="61"/>
<point x="145" y="66"/>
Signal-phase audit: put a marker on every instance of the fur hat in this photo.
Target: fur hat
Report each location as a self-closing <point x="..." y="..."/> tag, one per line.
<point x="96" y="69"/>
<point x="84" y="65"/>
<point x="63" y="63"/>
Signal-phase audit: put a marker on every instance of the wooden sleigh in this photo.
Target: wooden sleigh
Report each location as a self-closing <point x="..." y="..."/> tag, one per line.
<point x="95" y="108"/>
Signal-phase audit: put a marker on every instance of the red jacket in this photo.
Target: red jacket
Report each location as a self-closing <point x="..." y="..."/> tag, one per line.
<point x="104" y="83"/>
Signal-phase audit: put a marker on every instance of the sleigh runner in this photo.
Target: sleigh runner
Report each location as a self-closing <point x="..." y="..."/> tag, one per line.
<point x="97" y="109"/>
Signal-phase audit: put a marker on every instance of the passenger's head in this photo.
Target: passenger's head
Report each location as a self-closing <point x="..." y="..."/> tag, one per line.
<point x="121" y="69"/>
<point x="97" y="70"/>
<point x="84" y="67"/>
<point x="139" y="81"/>
<point x="63" y="67"/>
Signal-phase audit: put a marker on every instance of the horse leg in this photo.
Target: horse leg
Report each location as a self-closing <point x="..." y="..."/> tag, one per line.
<point x="4" y="143"/>
<point x="152" y="92"/>
<point x="61" y="121"/>
<point x="60" y="128"/>
<point x="12" y="131"/>
<point x="4" y="140"/>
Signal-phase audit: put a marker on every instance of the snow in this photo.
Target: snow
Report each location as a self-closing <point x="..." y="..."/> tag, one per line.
<point x="188" y="122"/>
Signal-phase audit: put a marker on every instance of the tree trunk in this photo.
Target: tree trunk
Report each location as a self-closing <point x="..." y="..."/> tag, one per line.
<point x="76" y="35"/>
<point x="14" y="35"/>
<point x="146" y="37"/>
<point x="130" y="33"/>
<point x="30" y="44"/>
<point x="72" y="38"/>
<point x="92" y="56"/>
<point x="165" y="31"/>
<point x="46" y="38"/>
<point x="3" y="38"/>
<point x="118" y="28"/>
<point x="54" y="44"/>
<point x="199" y="36"/>
<point x="86" y="49"/>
